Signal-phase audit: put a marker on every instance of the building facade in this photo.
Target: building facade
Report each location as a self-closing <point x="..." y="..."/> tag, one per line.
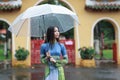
<point x="90" y="13"/>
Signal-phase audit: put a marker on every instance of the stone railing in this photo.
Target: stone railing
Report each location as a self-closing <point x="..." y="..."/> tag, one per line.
<point x="93" y="2"/>
<point x="102" y="5"/>
<point x="10" y="5"/>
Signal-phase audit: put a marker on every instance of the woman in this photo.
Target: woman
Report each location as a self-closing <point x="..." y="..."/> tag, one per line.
<point x="51" y="52"/>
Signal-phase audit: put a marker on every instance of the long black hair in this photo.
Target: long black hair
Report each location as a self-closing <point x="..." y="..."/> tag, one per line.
<point x="50" y="35"/>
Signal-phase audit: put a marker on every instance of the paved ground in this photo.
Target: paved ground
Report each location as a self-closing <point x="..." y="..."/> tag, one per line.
<point x="104" y="71"/>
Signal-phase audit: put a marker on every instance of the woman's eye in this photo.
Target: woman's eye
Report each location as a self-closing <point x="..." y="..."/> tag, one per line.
<point x="56" y="31"/>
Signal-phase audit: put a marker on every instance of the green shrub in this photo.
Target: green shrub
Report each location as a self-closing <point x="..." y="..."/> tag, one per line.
<point x="87" y="53"/>
<point x="21" y="53"/>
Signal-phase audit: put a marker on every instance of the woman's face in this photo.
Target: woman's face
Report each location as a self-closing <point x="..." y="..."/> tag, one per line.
<point x="56" y="32"/>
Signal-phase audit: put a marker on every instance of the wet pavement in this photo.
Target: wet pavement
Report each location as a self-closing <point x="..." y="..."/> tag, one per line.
<point x="103" y="71"/>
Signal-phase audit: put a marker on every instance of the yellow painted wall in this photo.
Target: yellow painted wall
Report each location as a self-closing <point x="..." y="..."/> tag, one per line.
<point x="10" y="16"/>
<point x="22" y="41"/>
<point x="87" y="20"/>
<point x="19" y="40"/>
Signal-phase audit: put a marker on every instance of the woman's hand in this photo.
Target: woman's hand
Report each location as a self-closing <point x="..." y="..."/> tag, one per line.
<point x="48" y="54"/>
<point x="52" y="60"/>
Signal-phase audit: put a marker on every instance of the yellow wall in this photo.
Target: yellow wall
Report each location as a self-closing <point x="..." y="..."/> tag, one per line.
<point x="22" y="41"/>
<point x="87" y="20"/>
<point x="10" y="16"/>
<point x="19" y="40"/>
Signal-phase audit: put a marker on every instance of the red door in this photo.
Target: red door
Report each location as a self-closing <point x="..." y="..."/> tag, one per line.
<point x="35" y="50"/>
<point x="114" y="46"/>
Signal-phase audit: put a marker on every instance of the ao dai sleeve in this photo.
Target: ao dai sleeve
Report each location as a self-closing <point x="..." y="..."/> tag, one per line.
<point x="64" y="60"/>
<point x="64" y="54"/>
<point x="43" y="54"/>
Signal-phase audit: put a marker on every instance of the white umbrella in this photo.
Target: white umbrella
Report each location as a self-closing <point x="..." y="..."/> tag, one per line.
<point x="43" y="16"/>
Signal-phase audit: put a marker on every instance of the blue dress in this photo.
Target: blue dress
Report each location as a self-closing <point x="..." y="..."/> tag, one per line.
<point x="54" y="71"/>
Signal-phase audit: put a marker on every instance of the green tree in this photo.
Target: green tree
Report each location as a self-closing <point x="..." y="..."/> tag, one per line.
<point x="105" y="27"/>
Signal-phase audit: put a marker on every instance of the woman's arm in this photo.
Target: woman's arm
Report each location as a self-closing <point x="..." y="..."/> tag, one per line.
<point x="43" y="57"/>
<point x="64" y="59"/>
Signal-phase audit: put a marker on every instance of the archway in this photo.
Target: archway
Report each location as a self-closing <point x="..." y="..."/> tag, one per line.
<point x="106" y="40"/>
<point x="69" y="35"/>
<point x="5" y="41"/>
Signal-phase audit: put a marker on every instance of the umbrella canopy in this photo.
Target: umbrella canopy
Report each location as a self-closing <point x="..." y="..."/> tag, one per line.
<point x="43" y="16"/>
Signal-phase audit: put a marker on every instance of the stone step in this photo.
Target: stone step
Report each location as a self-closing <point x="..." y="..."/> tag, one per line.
<point x="5" y="64"/>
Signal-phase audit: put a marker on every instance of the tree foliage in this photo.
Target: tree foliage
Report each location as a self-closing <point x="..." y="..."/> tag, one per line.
<point x="105" y="27"/>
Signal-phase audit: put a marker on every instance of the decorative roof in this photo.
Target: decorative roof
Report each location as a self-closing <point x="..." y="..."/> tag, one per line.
<point x="102" y="6"/>
<point x="10" y="5"/>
